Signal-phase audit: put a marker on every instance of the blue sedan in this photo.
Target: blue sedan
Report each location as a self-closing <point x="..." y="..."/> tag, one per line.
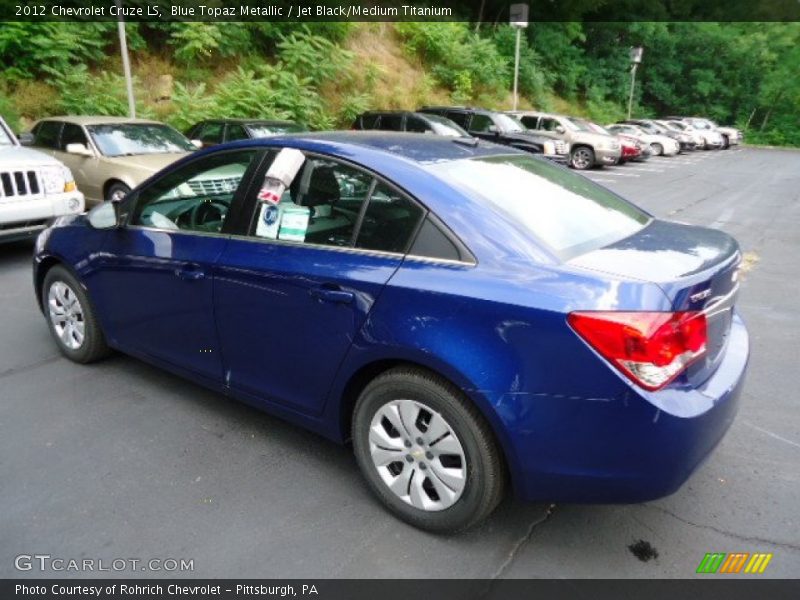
<point x="468" y="316"/>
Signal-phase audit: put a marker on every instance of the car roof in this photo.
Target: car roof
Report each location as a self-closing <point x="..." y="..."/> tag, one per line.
<point x="410" y="146"/>
<point x="372" y="147"/>
<point x="100" y="120"/>
<point x="470" y="109"/>
<point x="246" y="121"/>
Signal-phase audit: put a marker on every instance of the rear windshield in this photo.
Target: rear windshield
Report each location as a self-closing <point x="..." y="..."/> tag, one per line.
<point x="262" y="130"/>
<point x="565" y="212"/>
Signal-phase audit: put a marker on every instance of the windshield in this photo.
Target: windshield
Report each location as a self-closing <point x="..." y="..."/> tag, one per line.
<point x="508" y="124"/>
<point x="444" y="126"/>
<point x="128" y="139"/>
<point x="566" y="212"/>
<point x="262" y="130"/>
<point x="598" y="128"/>
<point x="578" y="125"/>
<point x="5" y="137"/>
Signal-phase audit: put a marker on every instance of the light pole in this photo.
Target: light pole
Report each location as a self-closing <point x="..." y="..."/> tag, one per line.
<point x="126" y="65"/>
<point x="636" y="58"/>
<point x="518" y="18"/>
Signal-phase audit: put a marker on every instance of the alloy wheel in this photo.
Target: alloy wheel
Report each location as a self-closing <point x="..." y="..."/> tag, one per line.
<point x="418" y="455"/>
<point x="66" y="315"/>
<point x="581" y="159"/>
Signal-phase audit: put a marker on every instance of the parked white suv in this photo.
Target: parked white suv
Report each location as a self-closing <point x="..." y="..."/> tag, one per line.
<point x="34" y="188"/>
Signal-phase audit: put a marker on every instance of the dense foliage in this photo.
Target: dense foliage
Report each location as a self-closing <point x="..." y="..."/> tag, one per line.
<point x="737" y="73"/>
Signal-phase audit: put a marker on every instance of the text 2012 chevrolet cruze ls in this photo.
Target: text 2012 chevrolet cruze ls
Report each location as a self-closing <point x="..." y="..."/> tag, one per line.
<point x="468" y="314"/>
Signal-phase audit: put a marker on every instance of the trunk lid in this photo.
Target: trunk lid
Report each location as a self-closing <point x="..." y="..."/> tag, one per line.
<point x="696" y="267"/>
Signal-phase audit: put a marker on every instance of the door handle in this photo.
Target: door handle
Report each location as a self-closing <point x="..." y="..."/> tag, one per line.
<point x="190" y="272"/>
<point x="332" y="294"/>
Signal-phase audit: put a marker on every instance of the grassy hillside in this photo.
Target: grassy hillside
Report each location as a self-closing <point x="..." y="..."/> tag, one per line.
<point x="324" y="74"/>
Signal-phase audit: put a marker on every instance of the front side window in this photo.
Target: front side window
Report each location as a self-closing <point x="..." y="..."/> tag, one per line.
<point x="130" y="139"/>
<point x="330" y="203"/>
<point x="236" y="132"/>
<point x="196" y="197"/>
<point x="211" y="133"/>
<point x="73" y="134"/>
<point x="416" y="125"/>
<point x="46" y="134"/>
<point x="567" y="213"/>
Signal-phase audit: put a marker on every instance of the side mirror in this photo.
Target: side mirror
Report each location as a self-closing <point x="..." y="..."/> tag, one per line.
<point x="26" y="139"/>
<point x="493" y="129"/>
<point x="197" y="144"/>
<point x="79" y="149"/>
<point x="560" y="129"/>
<point x="105" y="216"/>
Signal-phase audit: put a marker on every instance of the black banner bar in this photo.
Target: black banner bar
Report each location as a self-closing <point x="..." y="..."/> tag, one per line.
<point x="489" y="11"/>
<point x="711" y="588"/>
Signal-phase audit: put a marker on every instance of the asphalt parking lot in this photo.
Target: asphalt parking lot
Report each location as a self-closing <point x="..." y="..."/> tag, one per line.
<point x="121" y="460"/>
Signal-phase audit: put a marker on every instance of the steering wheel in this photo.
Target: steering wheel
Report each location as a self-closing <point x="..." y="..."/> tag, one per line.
<point x="206" y="212"/>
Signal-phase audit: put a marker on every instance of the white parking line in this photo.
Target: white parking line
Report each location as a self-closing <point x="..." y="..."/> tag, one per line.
<point x="638" y="168"/>
<point x="617" y="174"/>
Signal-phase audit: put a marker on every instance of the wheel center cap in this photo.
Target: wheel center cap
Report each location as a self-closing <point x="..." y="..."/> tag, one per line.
<point x="418" y="453"/>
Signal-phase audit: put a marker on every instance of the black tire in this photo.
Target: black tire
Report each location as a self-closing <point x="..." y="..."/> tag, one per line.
<point x="117" y="189"/>
<point x="582" y="158"/>
<point x="725" y="142"/>
<point x="93" y="346"/>
<point x="485" y="470"/>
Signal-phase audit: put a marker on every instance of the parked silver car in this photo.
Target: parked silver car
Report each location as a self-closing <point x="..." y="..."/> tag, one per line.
<point x="34" y="188"/>
<point x="587" y="148"/>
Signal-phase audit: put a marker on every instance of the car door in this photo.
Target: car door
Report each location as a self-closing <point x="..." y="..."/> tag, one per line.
<point x="291" y="296"/>
<point x="84" y="168"/>
<point x="547" y="128"/>
<point x="154" y="283"/>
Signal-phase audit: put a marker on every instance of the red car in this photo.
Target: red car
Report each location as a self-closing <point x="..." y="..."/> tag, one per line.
<point x="631" y="148"/>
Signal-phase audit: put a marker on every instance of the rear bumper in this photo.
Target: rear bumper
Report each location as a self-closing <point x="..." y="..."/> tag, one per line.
<point x="631" y="448"/>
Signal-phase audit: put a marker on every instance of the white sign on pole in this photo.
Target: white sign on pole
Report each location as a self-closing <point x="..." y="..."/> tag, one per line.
<point x="518" y="15"/>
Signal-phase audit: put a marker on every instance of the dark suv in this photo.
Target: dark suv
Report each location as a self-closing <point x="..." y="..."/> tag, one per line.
<point x="502" y="129"/>
<point x="218" y="131"/>
<point x="405" y="120"/>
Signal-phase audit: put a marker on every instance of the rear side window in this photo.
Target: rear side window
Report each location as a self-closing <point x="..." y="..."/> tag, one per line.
<point x="46" y="134"/>
<point x="459" y="118"/>
<point x="480" y="123"/>
<point x="389" y="221"/>
<point x="369" y="121"/>
<point x="529" y="121"/>
<point x="431" y="242"/>
<point x="391" y="122"/>
<point x="566" y="212"/>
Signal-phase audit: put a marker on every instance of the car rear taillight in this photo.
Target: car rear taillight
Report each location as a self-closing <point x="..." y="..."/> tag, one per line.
<point x="650" y="348"/>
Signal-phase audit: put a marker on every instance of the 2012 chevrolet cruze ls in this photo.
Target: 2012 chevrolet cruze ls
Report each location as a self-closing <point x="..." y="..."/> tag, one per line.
<point x="467" y="314"/>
